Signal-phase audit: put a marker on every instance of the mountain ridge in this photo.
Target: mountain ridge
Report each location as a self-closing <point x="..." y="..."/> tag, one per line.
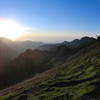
<point x="78" y="78"/>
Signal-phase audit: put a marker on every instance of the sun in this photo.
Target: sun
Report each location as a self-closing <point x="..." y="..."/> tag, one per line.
<point x="10" y="29"/>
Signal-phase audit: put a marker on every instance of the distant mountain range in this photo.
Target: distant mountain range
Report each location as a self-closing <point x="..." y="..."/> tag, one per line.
<point x="18" y="46"/>
<point x="78" y="42"/>
<point x="73" y="43"/>
<point x="11" y="49"/>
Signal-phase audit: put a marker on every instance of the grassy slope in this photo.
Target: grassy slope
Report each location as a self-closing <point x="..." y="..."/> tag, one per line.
<point x="77" y="79"/>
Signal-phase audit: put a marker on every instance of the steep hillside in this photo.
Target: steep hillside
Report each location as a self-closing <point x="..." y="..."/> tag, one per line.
<point x="10" y="49"/>
<point x="76" y="79"/>
<point x="6" y="53"/>
<point x="32" y="62"/>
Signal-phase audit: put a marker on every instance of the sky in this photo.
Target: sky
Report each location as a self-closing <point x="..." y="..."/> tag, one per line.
<point x="53" y="20"/>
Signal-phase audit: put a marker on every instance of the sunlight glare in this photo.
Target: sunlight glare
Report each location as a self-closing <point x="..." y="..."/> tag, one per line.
<point x="10" y="29"/>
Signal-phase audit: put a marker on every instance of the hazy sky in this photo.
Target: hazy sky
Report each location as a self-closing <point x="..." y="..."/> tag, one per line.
<point x="54" y="20"/>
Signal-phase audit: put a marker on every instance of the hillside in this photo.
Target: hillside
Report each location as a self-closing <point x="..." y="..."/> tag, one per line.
<point x="32" y="62"/>
<point x="17" y="63"/>
<point x="6" y="53"/>
<point x="10" y="49"/>
<point x="78" y="78"/>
